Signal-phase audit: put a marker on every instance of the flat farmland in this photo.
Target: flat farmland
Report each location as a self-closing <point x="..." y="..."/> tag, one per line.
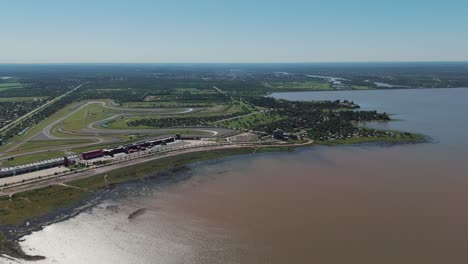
<point x="9" y="85"/>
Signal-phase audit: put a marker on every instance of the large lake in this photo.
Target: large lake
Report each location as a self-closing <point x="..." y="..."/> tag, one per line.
<point x="346" y="204"/>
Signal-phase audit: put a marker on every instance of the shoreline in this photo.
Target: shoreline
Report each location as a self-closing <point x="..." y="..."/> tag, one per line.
<point x="10" y="234"/>
<point x="357" y="90"/>
<point x="92" y="187"/>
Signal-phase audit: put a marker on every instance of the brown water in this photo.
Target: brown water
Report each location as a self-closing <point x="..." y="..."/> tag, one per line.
<point x="347" y="204"/>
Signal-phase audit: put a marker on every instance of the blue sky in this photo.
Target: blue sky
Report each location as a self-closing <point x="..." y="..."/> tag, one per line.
<point x="49" y="31"/>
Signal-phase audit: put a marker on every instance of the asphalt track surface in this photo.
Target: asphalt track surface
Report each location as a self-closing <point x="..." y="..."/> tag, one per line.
<point x="103" y="136"/>
<point x="41" y="107"/>
<point x="95" y="171"/>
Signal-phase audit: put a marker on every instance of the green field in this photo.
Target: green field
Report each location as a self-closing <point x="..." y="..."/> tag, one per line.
<point x="401" y="138"/>
<point x="96" y="112"/>
<point x="9" y="85"/>
<point x="250" y="121"/>
<point x="360" y="87"/>
<point x="220" y="110"/>
<point x="136" y="172"/>
<point x="121" y="123"/>
<point x="84" y="117"/>
<point x="299" y="86"/>
<point x="38" y="202"/>
<point x="125" y="140"/>
<point x="77" y="121"/>
<point x="40" y="144"/>
<point x="33" y="158"/>
<point x="186" y="132"/>
<point x="21" y="99"/>
<point x="37" y="128"/>
<point x="217" y="110"/>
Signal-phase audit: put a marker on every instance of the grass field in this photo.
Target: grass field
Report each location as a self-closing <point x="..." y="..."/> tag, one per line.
<point x="20" y="99"/>
<point x="250" y="121"/>
<point x="38" y="156"/>
<point x="36" y="129"/>
<point x="39" y="144"/>
<point x="45" y="145"/>
<point x="75" y="122"/>
<point x="121" y="123"/>
<point x="152" y="104"/>
<point x="401" y="138"/>
<point x="87" y="115"/>
<point x="220" y="110"/>
<point x="152" y="167"/>
<point x="223" y="109"/>
<point x="217" y="110"/>
<point x="186" y="132"/>
<point x="125" y="140"/>
<point x="94" y="147"/>
<point x="10" y="85"/>
<point x="32" y="158"/>
<point x="358" y="87"/>
<point x="96" y="112"/>
<point x="38" y="202"/>
<point x="299" y="86"/>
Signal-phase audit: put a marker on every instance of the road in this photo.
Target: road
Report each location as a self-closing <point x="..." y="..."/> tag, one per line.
<point x="41" y="107"/>
<point x="91" y="129"/>
<point x="162" y="111"/>
<point x="223" y="92"/>
<point x="32" y="112"/>
<point x="95" y="171"/>
<point x="100" y="136"/>
<point x="219" y="90"/>
<point x="46" y="132"/>
<point x="91" y="172"/>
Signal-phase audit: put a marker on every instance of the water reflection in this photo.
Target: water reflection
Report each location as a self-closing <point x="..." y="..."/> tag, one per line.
<point x="349" y="204"/>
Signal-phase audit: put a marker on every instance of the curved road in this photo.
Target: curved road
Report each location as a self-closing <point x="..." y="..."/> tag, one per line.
<point x="46" y="131"/>
<point x="91" y="129"/>
<point x="166" y="111"/>
<point x="95" y="134"/>
<point x="45" y="134"/>
<point x="42" y="107"/>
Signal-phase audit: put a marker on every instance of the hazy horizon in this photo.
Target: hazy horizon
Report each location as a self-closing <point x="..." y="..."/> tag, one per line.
<point x="234" y="63"/>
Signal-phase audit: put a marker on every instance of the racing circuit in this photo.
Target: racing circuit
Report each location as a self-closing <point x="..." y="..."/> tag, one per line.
<point x="97" y="133"/>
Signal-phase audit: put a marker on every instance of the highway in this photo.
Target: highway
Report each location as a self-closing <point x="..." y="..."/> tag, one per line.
<point x="41" y="107"/>
<point x="46" y="132"/>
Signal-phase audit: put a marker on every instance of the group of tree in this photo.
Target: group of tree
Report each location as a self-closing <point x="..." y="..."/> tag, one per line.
<point x="183" y="121"/>
<point x="9" y="111"/>
<point x="321" y="119"/>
